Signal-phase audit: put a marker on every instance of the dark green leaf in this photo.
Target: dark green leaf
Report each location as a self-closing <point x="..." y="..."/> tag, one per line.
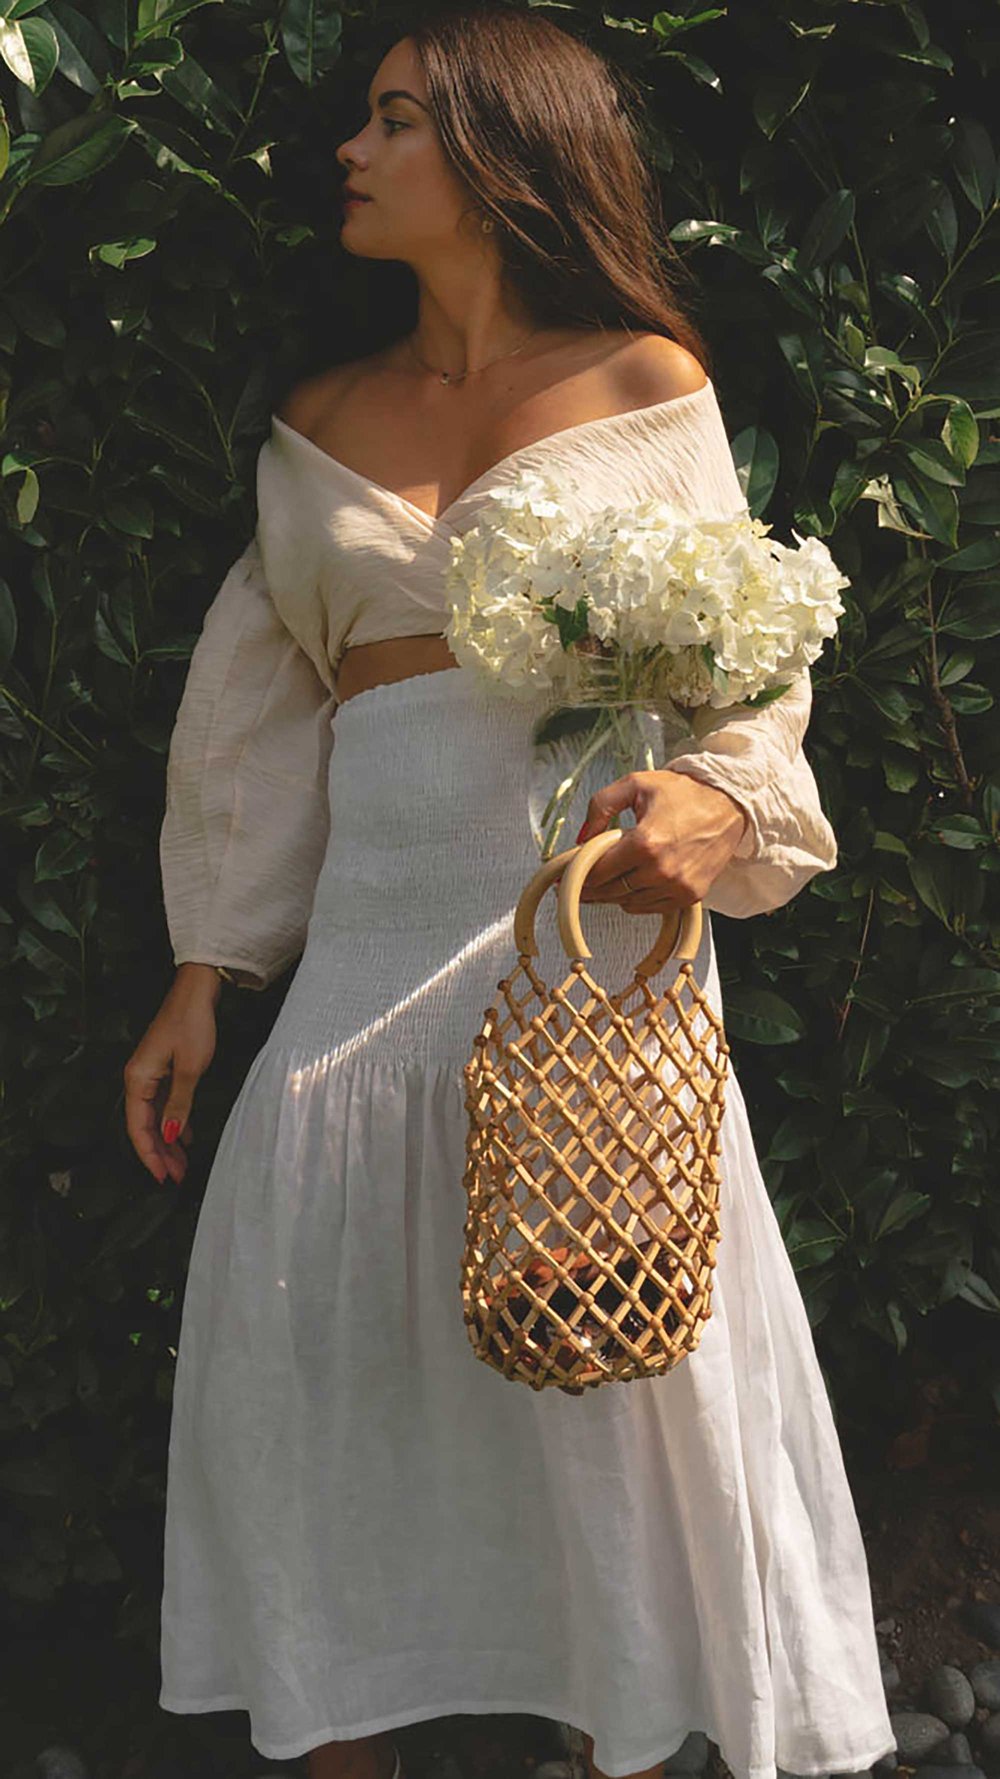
<point x="30" y="49"/>
<point x="975" y="163"/>
<point x="976" y="1291"/>
<point x="826" y="230"/>
<point x="62" y="854"/>
<point x="571" y="624"/>
<point x="973" y="612"/>
<point x="758" y="1016"/>
<point x="755" y="454"/>
<point x="78" y="149"/>
<point x="310" y="35"/>
<point x="974" y="558"/>
<point x="970" y="699"/>
<point x="960" y="434"/>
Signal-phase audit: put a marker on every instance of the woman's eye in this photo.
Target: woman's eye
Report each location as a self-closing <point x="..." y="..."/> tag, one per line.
<point x="391" y="124"/>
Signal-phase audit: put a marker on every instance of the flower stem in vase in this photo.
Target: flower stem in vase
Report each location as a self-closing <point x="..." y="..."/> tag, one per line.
<point x="557" y="808"/>
<point x="611" y="701"/>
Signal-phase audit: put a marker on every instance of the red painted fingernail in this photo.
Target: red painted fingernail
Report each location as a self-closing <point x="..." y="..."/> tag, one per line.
<point x="582" y="834"/>
<point x="171" y="1130"/>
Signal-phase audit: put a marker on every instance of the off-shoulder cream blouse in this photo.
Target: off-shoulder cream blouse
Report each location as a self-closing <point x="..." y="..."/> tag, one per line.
<point x="336" y="560"/>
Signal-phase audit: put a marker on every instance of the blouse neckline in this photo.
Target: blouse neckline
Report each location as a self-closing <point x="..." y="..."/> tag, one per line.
<point x="643" y="416"/>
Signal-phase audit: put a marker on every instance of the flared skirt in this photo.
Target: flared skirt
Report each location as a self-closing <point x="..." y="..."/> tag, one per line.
<point x="367" y="1526"/>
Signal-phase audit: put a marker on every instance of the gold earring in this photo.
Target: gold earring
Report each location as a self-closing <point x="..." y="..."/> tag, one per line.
<point x="487" y="225"/>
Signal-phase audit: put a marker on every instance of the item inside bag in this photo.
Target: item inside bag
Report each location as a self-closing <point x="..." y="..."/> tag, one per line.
<point x="592" y="1338"/>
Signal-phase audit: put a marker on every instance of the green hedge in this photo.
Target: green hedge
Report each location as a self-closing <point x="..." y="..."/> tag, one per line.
<point x="170" y="265"/>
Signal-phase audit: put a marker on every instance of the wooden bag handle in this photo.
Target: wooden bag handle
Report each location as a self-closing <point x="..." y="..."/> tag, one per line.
<point x="680" y="928"/>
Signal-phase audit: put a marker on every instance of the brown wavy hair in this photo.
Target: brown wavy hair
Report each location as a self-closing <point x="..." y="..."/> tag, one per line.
<point x="549" y="138"/>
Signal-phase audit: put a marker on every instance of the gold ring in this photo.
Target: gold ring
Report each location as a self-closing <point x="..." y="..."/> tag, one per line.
<point x="630" y="888"/>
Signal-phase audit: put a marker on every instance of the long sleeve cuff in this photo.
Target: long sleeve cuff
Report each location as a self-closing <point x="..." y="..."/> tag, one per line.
<point x="756" y="756"/>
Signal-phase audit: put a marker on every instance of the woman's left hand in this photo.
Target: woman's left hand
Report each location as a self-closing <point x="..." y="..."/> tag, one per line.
<point x="685" y="833"/>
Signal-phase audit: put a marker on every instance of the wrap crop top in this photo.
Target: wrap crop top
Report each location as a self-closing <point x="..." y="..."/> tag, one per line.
<point x="338" y="560"/>
<point x="348" y="561"/>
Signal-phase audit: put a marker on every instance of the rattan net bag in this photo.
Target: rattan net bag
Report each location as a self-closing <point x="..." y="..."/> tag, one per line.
<point x="592" y="1156"/>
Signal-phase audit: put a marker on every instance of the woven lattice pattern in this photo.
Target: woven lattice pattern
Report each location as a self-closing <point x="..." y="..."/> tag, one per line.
<point x="592" y="1176"/>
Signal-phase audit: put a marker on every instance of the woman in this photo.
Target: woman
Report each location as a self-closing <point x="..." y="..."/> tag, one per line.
<point x="365" y="1526"/>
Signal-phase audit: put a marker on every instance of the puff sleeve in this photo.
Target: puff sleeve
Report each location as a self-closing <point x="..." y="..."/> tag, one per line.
<point x="247" y="814"/>
<point x="756" y="756"/>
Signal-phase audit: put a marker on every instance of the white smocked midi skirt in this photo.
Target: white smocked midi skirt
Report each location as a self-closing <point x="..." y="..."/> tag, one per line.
<point x="366" y="1525"/>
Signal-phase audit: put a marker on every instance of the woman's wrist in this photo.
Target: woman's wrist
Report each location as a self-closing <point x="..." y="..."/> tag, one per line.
<point x="202" y="977"/>
<point x="737" y="809"/>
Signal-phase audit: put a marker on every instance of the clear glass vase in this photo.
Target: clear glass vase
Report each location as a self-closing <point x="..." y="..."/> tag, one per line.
<point x="614" y="718"/>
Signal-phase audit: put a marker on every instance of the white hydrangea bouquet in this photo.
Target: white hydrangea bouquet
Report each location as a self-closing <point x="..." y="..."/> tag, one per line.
<point x="628" y="619"/>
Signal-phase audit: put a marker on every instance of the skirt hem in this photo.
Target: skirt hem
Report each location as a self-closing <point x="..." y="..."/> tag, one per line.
<point x="848" y="1762"/>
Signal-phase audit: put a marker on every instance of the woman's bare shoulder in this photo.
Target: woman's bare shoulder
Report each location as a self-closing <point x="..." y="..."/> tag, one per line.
<point x="652" y="368"/>
<point x="312" y="400"/>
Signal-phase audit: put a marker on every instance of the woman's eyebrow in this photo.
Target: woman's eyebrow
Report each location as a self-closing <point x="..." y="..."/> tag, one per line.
<point x="399" y="92"/>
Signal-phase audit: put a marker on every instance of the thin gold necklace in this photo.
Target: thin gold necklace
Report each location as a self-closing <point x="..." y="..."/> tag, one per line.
<point x="459" y="376"/>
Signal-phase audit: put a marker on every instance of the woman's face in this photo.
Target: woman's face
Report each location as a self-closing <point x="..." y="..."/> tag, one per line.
<point x="415" y="198"/>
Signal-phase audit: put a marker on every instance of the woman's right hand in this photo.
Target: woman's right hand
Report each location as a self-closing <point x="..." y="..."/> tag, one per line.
<point x="164" y="1069"/>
